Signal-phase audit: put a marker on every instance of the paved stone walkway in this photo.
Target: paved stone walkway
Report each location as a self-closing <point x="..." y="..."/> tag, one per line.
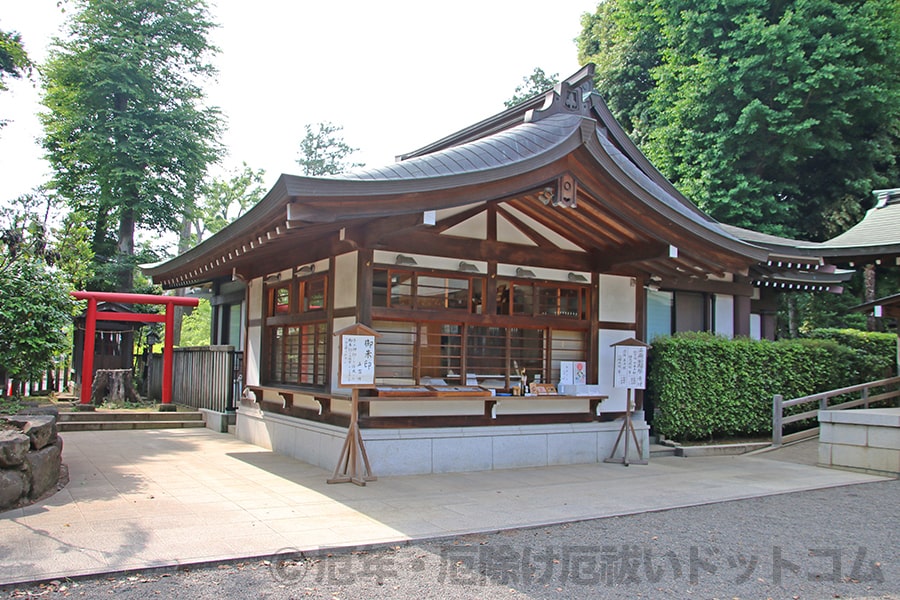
<point x="139" y="499"/>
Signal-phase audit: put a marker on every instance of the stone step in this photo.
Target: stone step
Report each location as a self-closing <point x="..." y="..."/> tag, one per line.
<point x="65" y="426"/>
<point x="657" y="450"/>
<point x="128" y="415"/>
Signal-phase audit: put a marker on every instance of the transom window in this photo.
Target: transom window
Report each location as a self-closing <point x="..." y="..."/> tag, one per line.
<point x="431" y="290"/>
<point x="527" y="298"/>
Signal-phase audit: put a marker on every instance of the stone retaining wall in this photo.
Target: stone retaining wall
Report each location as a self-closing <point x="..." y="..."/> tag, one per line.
<point x="865" y="440"/>
<point x="30" y="458"/>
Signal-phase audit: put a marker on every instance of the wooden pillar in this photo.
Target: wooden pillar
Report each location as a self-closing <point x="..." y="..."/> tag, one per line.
<point x="741" y="316"/>
<point x="87" y="362"/>
<point x="365" y="258"/>
<point x="168" y="351"/>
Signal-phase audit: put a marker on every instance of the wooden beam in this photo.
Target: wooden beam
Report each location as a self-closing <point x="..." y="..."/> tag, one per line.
<point x="471" y="249"/>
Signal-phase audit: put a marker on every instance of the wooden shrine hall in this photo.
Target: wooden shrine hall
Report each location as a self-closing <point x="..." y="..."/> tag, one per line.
<point x="498" y="266"/>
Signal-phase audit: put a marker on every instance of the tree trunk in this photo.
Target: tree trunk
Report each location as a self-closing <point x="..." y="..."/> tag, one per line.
<point x="125" y="251"/>
<point x="793" y="327"/>
<point x="871" y="321"/>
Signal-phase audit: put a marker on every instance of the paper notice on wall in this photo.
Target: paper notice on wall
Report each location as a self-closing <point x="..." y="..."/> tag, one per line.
<point x="357" y="360"/>
<point x="631" y="367"/>
<point x="572" y="372"/>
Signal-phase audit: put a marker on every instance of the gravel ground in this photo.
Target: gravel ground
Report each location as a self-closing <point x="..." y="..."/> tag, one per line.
<point x="834" y="543"/>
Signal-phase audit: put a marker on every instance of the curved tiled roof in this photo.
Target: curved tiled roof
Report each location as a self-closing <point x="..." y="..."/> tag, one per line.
<point x="569" y="132"/>
<point x="512" y="145"/>
<point x="879" y="228"/>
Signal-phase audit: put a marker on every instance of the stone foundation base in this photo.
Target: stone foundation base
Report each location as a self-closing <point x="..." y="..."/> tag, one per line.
<point x="865" y="440"/>
<point x="441" y="449"/>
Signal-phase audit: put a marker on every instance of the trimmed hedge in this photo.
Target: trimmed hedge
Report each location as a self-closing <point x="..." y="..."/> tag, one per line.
<point x="703" y="386"/>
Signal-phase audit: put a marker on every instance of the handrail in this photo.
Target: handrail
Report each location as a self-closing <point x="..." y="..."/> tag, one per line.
<point x="779" y="404"/>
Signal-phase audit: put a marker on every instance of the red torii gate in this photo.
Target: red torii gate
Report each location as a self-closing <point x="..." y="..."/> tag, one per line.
<point x="90" y="329"/>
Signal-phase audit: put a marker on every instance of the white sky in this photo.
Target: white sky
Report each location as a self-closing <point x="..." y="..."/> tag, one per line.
<point x="395" y="74"/>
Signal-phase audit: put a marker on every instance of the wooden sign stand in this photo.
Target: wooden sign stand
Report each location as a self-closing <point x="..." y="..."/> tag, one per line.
<point x="356" y="370"/>
<point x="630" y="373"/>
<point x="627" y="428"/>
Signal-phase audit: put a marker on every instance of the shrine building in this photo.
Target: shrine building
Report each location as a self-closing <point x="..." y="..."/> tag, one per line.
<point x="498" y="265"/>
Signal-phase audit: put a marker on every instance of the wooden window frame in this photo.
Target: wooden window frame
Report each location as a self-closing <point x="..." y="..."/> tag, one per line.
<point x="418" y="302"/>
<point x="298" y="316"/>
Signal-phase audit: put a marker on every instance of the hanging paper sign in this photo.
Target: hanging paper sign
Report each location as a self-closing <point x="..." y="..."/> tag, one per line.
<point x="357" y="360"/>
<point x="631" y="367"/>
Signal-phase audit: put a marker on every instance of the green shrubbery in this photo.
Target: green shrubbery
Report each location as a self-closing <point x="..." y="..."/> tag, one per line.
<point x="703" y="386"/>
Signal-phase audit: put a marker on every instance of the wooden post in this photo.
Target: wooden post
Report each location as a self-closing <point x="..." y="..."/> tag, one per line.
<point x="347" y="469"/>
<point x="777" y="414"/>
<point x="630" y="372"/>
<point x="87" y="362"/>
<point x="628" y="431"/>
<point x="168" y="361"/>
<point x="356" y="370"/>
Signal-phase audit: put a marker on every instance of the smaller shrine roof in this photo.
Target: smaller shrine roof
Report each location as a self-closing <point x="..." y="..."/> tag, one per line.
<point x="877" y="235"/>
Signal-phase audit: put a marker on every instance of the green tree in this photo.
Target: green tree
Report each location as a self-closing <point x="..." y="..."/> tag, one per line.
<point x="195" y="326"/>
<point x="35" y="306"/>
<point x="323" y="151"/>
<point x="14" y="61"/>
<point x="624" y="42"/>
<point x="126" y="131"/>
<point x="532" y="85"/>
<point x="221" y="202"/>
<point x="780" y="117"/>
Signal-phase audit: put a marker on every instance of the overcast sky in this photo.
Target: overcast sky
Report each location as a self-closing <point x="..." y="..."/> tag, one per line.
<point x="395" y="74"/>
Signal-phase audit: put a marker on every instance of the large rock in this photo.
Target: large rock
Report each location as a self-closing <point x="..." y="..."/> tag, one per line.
<point x="13" y="447"/>
<point x="41" y="429"/>
<point x="13" y="487"/>
<point x="39" y="409"/>
<point x="44" y="466"/>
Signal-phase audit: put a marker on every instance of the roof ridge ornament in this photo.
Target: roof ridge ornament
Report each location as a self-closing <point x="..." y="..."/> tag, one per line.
<point x="885" y="197"/>
<point x="564" y="98"/>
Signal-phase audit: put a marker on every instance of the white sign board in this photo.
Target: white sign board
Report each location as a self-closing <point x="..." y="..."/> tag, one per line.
<point x="631" y="367"/>
<point x="357" y="360"/>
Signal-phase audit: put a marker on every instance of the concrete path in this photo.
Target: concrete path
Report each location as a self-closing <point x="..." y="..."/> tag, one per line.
<point x="140" y="499"/>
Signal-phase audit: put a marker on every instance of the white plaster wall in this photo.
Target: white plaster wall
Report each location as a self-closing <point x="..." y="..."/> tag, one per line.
<point x="617" y="298"/>
<point x="505" y="270"/>
<point x="562" y="242"/>
<point x="724" y="324"/>
<point x="345" y="280"/>
<point x="475" y="228"/>
<point x="510" y="234"/>
<point x="430" y="262"/>
<point x="755" y="326"/>
<point x="618" y="397"/>
<point x="256" y="302"/>
<point x="337" y="325"/>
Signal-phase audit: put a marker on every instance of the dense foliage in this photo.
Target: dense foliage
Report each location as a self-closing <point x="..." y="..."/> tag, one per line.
<point x="323" y="151"/>
<point x="127" y="134"/>
<point x="35" y="316"/>
<point x="777" y="116"/>
<point x="221" y="201"/>
<point x="704" y="386"/>
<point x="14" y="61"/>
<point x="532" y="85"/>
<point x="38" y="266"/>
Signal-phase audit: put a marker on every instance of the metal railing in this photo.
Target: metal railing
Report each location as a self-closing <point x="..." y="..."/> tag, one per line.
<point x="779" y="404"/>
<point x="203" y="377"/>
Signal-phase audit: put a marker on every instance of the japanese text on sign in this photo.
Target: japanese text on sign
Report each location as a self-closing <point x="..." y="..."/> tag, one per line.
<point x="631" y="365"/>
<point x="357" y="360"/>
